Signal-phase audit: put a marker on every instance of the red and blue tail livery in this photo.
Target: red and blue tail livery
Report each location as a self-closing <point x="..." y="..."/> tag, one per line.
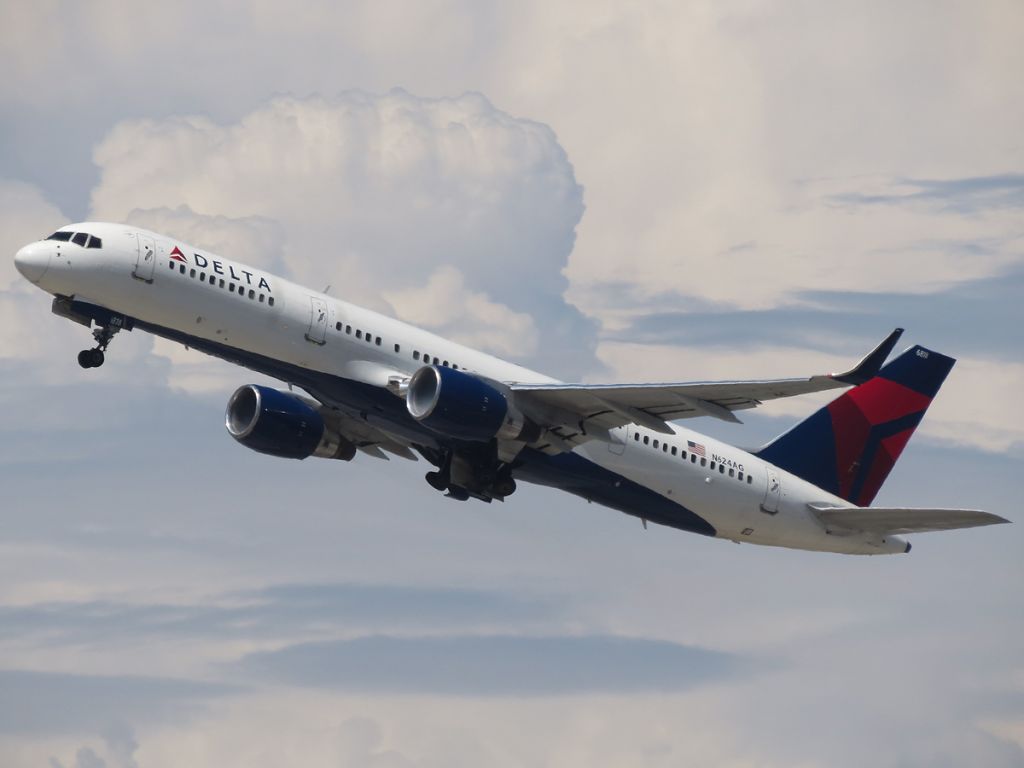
<point x="849" y="447"/>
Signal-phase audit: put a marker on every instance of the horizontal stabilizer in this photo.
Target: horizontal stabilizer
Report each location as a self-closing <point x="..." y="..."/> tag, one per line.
<point x="895" y="520"/>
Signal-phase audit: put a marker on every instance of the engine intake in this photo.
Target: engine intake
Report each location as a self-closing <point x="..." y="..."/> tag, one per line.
<point x="465" y="407"/>
<point x="282" y="424"/>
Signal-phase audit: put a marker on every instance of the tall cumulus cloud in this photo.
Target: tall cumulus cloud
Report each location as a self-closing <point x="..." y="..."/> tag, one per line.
<point x="378" y="195"/>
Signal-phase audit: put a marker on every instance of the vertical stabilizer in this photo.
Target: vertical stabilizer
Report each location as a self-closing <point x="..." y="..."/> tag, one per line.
<point x="849" y="447"/>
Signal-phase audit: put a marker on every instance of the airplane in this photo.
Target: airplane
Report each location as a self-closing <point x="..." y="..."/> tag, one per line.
<point x="384" y="388"/>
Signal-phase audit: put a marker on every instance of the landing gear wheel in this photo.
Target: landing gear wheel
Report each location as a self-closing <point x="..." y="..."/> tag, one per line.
<point x="506" y="486"/>
<point x="457" y="493"/>
<point x="93" y="358"/>
<point x="437" y="480"/>
<point x="90" y="358"/>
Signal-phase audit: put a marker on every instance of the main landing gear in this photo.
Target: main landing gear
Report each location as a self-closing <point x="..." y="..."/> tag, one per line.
<point x="459" y="478"/>
<point x="93" y="358"/>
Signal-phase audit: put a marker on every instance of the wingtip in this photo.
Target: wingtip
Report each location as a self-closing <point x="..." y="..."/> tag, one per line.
<point x="872" y="363"/>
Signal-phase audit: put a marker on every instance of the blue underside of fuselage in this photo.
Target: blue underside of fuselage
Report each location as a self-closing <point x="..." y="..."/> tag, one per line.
<point x="566" y="471"/>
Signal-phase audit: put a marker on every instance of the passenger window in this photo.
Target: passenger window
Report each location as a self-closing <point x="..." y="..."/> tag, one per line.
<point x="359" y="334"/>
<point x="270" y="301"/>
<point x="673" y="450"/>
<point x="693" y="458"/>
<point x="62" y="236"/>
<point x="721" y="469"/>
<point x="220" y="283"/>
<point x="348" y="329"/>
<point x="436" y="362"/>
<point x="261" y="298"/>
<point x="703" y="461"/>
<point x="171" y="265"/>
<point x="712" y="465"/>
<point x="655" y="444"/>
<point x="636" y="436"/>
<point x="415" y="355"/>
<point x="182" y="267"/>
<point x="455" y="366"/>
<point x="191" y="273"/>
<point x="80" y="238"/>
<point x="750" y="479"/>
<point x="741" y="476"/>
<point x="646" y="440"/>
<point x="682" y="455"/>
<point x="732" y="472"/>
<point x="231" y="287"/>
<point x="397" y="348"/>
<point x="252" y="294"/>
<point x="337" y="326"/>
<point x="94" y="242"/>
<point x="202" y="277"/>
<point x="664" y="447"/>
<point x="377" y="341"/>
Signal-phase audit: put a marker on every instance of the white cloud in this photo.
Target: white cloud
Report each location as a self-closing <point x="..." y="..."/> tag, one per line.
<point x="464" y="315"/>
<point x="372" y="194"/>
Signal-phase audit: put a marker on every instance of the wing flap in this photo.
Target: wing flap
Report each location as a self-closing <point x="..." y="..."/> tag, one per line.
<point x="896" y="520"/>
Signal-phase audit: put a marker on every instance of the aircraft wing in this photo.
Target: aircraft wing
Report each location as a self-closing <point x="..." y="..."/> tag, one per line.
<point x="894" y="520"/>
<point x="574" y="411"/>
<point x="370" y="439"/>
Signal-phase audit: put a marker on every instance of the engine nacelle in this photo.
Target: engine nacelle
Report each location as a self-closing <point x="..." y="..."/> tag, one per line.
<point x="282" y="424"/>
<point x="464" y="406"/>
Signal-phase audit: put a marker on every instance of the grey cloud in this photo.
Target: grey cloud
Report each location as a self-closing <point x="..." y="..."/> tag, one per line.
<point x="54" y="702"/>
<point x="816" y="318"/>
<point x="284" y="610"/>
<point x="964" y="195"/>
<point x="497" y="665"/>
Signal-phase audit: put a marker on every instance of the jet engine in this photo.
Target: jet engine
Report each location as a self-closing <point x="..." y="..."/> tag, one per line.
<point x="283" y="424"/>
<point x="465" y="407"/>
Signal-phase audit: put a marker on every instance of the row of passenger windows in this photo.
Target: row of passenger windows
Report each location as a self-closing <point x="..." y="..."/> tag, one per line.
<point x="377" y="341"/>
<point x="221" y="283"/>
<point x="694" y="458"/>
<point x="83" y="239"/>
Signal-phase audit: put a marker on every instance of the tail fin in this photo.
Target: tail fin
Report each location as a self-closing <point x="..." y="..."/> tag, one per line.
<point x="849" y="446"/>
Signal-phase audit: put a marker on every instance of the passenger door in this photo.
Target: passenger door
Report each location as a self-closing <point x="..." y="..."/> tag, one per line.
<point x="145" y="262"/>
<point x="772" y="493"/>
<point x="317" y="331"/>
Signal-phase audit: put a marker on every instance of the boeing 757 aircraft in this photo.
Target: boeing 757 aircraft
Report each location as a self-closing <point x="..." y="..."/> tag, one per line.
<point x="379" y="386"/>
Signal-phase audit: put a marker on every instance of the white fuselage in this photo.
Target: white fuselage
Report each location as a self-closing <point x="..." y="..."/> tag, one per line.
<point x="138" y="274"/>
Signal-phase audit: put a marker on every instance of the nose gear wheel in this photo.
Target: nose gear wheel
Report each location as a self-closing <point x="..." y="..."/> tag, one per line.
<point x="93" y="358"/>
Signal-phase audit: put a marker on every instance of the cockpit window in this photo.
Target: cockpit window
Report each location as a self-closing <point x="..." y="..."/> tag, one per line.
<point x="83" y="239"/>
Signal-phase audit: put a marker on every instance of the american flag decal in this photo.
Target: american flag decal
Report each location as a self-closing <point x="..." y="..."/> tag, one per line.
<point x="696" y="448"/>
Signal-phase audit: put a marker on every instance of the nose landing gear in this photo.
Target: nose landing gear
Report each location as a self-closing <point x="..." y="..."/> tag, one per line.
<point x="93" y="358"/>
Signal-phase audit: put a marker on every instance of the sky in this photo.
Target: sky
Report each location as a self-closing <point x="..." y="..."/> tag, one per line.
<point x="603" y="191"/>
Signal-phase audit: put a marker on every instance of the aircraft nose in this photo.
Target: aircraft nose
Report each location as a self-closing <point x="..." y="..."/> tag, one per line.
<point x="32" y="261"/>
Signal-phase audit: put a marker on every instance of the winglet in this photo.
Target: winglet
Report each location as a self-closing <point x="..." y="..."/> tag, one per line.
<point x="867" y="368"/>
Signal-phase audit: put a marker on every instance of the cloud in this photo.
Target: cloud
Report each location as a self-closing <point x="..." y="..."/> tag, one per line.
<point x="468" y="317"/>
<point x="493" y="665"/>
<point x="53" y="702"/>
<point x="968" y="195"/>
<point x="287" y="610"/>
<point x="378" y="195"/>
